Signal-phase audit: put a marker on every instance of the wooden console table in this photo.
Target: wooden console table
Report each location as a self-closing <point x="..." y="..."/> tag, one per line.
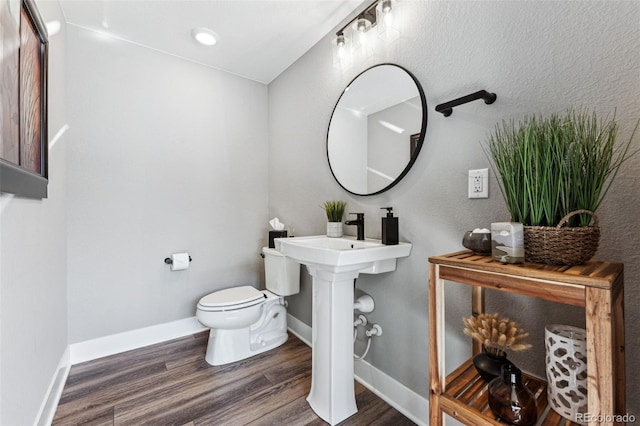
<point x="598" y="286"/>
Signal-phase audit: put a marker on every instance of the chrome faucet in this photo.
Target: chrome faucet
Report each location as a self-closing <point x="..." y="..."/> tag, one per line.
<point x="359" y="222"/>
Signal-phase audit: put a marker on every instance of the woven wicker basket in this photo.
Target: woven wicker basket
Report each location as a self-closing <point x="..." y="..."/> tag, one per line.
<point x="555" y="245"/>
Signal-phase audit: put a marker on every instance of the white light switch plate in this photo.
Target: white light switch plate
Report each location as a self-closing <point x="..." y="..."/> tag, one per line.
<point x="479" y="183"/>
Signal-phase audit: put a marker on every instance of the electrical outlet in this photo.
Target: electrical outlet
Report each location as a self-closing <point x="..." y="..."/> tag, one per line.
<point x="479" y="183"/>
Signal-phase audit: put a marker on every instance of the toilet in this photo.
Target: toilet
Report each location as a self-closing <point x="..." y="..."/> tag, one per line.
<point x="245" y="321"/>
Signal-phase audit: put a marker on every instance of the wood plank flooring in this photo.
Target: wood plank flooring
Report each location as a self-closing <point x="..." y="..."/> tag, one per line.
<point x="171" y="383"/>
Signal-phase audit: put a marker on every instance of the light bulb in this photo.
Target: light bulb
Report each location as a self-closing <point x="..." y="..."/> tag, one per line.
<point x="342" y="52"/>
<point x="387" y="29"/>
<point x="361" y="25"/>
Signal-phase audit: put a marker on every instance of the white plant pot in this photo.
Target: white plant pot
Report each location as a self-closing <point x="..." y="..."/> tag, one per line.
<point x="566" y="365"/>
<point x="334" y="229"/>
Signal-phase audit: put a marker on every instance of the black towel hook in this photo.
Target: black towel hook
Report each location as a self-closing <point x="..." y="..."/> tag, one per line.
<point x="447" y="108"/>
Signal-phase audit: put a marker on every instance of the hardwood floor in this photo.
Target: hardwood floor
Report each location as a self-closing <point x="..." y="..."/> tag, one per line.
<point x="171" y="383"/>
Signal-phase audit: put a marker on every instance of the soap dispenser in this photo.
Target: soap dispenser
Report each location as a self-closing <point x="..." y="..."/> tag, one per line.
<point x="389" y="227"/>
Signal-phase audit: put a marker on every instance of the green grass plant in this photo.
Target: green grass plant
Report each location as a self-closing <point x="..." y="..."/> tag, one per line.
<point x="335" y="210"/>
<point x="551" y="166"/>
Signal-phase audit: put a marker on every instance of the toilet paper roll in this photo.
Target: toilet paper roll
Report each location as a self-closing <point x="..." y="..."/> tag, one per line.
<point x="179" y="261"/>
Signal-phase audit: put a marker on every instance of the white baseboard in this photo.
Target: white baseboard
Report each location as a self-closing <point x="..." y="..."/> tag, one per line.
<point x="134" y="339"/>
<point x="299" y="329"/>
<point x="52" y="396"/>
<point x="397" y="395"/>
<point x="394" y="393"/>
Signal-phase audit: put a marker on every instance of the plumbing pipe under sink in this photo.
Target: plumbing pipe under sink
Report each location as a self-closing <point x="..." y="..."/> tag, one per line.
<point x="364" y="304"/>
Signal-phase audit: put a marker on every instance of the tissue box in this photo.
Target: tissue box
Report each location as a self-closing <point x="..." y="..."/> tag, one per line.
<point x="275" y="234"/>
<point x="507" y="242"/>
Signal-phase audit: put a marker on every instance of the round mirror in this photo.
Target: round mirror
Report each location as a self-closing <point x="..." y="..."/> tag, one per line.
<point x="376" y="129"/>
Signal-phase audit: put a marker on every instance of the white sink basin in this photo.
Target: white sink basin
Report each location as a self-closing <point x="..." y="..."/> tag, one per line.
<point x="343" y="254"/>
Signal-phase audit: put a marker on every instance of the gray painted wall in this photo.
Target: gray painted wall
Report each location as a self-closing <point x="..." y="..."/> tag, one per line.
<point x="33" y="268"/>
<point x="538" y="57"/>
<point x="165" y="156"/>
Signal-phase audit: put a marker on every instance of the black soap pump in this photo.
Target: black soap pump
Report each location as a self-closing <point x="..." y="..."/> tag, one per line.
<point x="389" y="227"/>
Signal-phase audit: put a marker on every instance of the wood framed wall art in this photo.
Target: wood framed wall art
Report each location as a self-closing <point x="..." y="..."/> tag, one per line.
<point x="414" y="142"/>
<point x="23" y="100"/>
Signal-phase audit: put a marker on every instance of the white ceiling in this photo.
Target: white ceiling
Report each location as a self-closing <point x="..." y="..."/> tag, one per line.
<point x="258" y="39"/>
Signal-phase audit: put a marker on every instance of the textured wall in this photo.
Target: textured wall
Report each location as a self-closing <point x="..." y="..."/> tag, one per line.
<point x="33" y="268"/>
<point x="538" y="57"/>
<point x="165" y="156"/>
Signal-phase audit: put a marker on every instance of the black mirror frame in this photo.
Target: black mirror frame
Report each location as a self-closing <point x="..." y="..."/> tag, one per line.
<point x="423" y="129"/>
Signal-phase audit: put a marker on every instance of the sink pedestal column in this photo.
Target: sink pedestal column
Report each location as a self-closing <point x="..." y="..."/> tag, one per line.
<point x="332" y="394"/>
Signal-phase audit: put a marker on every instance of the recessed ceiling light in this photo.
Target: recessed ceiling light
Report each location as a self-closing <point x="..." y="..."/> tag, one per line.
<point x="204" y="36"/>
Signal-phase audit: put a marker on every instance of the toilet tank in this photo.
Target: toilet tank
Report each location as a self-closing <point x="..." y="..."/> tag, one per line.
<point x="282" y="275"/>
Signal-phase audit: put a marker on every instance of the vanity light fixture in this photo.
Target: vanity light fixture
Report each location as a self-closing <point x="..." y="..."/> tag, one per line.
<point x="204" y="36"/>
<point x="355" y="33"/>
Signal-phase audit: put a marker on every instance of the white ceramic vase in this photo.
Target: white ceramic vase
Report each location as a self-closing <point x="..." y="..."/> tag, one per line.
<point x="566" y="361"/>
<point x="334" y="229"/>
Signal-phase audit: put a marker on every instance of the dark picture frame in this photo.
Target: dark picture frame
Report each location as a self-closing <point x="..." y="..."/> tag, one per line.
<point x="414" y="142"/>
<point x="24" y="49"/>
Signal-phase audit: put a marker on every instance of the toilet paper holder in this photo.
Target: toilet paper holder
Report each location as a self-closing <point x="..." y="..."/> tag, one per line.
<point x="169" y="261"/>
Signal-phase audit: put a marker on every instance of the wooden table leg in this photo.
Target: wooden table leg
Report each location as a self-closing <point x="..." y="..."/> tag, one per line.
<point x="601" y="379"/>
<point x="436" y="345"/>
<point x="619" y="345"/>
<point x="477" y="308"/>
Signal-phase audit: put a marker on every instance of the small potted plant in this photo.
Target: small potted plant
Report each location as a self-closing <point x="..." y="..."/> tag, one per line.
<point x="335" y="212"/>
<point x="497" y="335"/>
<point x="555" y="171"/>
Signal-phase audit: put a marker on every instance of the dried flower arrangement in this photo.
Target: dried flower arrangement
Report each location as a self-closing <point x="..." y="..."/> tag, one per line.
<point x="495" y="333"/>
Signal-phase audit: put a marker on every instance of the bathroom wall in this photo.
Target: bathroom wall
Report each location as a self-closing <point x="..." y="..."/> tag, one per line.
<point x="539" y="57"/>
<point x="165" y="156"/>
<point x="33" y="267"/>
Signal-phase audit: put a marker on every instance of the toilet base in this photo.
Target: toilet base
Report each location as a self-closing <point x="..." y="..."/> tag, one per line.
<point x="269" y="332"/>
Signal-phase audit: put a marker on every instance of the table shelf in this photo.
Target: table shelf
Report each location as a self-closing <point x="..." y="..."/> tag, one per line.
<point x="596" y="285"/>
<point x="465" y="388"/>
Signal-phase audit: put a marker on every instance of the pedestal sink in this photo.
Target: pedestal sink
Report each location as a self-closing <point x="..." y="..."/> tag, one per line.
<point x="334" y="263"/>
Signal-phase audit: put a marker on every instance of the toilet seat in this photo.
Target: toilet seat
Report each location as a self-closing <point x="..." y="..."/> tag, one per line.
<point x="231" y="299"/>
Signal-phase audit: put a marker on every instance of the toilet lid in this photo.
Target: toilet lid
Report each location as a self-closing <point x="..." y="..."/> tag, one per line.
<point x="232" y="298"/>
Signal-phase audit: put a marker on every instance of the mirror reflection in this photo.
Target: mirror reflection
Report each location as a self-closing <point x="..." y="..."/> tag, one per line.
<point x="376" y="129"/>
